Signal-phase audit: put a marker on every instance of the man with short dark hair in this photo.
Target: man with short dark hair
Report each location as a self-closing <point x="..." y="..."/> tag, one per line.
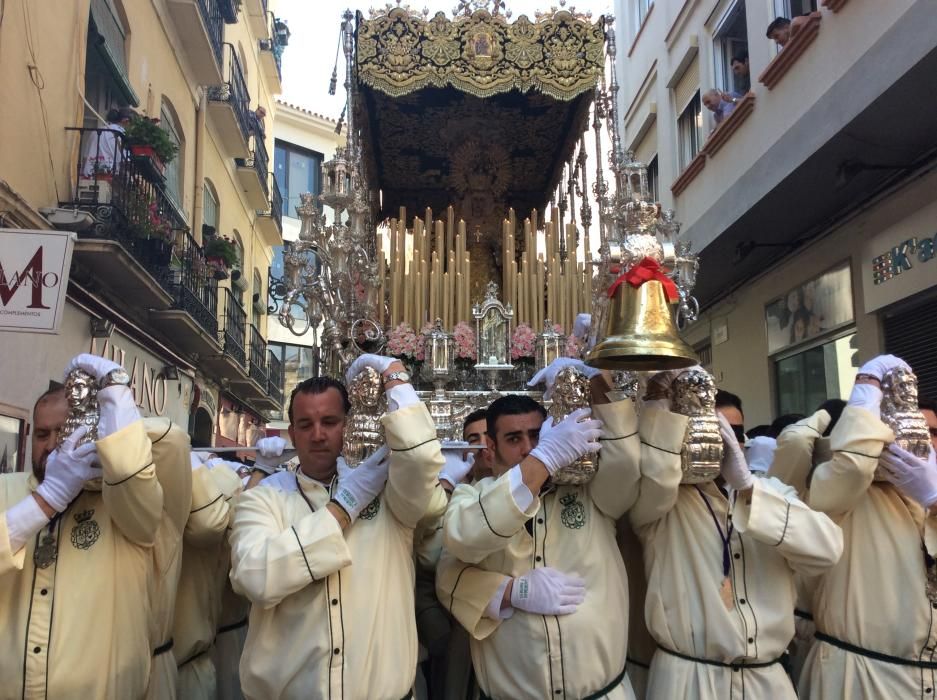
<point x="531" y="569"/>
<point x="474" y="432"/>
<point x="740" y="69"/>
<point x="730" y="406"/>
<point x="779" y="31"/>
<point x="89" y="548"/>
<point x="325" y="554"/>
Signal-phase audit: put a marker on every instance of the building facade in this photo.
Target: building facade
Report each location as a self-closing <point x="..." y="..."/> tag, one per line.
<point x="810" y="200"/>
<point x="145" y="126"/>
<point x="303" y="141"/>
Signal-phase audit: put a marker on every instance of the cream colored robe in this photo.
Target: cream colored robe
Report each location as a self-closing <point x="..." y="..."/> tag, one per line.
<point x="875" y="597"/>
<point x="486" y="541"/>
<point x="87" y="625"/>
<point x="792" y="464"/>
<point x="332" y="612"/>
<point x="205" y="558"/>
<point x="774" y="536"/>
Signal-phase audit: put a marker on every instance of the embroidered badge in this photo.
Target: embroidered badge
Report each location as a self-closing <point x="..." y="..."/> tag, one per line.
<point x="372" y="509"/>
<point x="86" y="532"/>
<point x="573" y="514"/>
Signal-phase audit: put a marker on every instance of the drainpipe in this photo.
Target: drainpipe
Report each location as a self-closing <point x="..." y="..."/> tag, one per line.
<point x="197" y="212"/>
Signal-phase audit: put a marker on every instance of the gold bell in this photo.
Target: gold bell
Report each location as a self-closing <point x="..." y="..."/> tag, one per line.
<point x="640" y="334"/>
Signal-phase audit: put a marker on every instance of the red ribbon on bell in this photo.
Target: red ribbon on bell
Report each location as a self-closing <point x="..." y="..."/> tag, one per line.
<point x="645" y="271"/>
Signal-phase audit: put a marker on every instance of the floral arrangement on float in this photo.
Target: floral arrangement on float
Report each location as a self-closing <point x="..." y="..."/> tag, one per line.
<point x="573" y="347"/>
<point x="523" y="343"/>
<point x="404" y="344"/>
<point x="465" y="350"/>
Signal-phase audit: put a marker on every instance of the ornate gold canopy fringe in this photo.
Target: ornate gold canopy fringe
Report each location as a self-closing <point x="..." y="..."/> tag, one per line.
<point x="560" y="55"/>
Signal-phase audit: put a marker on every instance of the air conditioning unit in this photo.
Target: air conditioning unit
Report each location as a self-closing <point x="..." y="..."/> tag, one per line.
<point x="91" y="191"/>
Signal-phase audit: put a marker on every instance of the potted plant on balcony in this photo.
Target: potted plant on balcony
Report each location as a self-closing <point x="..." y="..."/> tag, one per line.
<point x="221" y="255"/>
<point x="149" y="144"/>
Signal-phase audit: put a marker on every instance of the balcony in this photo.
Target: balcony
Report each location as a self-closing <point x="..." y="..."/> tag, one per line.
<point x="231" y="362"/>
<point x="129" y="248"/>
<point x="254" y="387"/>
<point x="192" y="322"/>
<point x="229" y="10"/>
<point x="256" y="11"/>
<point x="200" y="25"/>
<point x="270" y="222"/>
<point x="271" y="52"/>
<point x="229" y="107"/>
<point x="252" y="171"/>
<point x="275" y="380"/>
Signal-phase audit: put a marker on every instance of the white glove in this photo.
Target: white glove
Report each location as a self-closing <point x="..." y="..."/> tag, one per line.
<point x="734" y="467"/>
<point x="547" y="591"/>
<point x="97" y="367"/>
<point x="271" y="453"/>
<point x="878" y="366"/>
<point x="562" y="444"/>
<point x="760" y="452"/>
<point x="455" y="469"/>
<point x="582" y="325"/>
<point x="867" y="396"/>
<point x="915" y="477"/>
<point x="549" y="373"/>
<point x="198" y="459"/>
<point x="376" y="362"/>
<point x="357" y="487"/>
<point x="67" y="470"/>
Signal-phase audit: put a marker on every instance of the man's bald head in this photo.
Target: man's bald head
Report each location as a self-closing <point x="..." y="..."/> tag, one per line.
<point x="49" y="415"/>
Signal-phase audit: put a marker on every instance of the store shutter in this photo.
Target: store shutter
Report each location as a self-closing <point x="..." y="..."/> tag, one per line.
<point x="911" y="334"/>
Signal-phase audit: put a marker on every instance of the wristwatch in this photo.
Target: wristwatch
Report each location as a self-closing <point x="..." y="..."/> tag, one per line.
<point x="401" y="376"/>
<point x="115" y="376"/>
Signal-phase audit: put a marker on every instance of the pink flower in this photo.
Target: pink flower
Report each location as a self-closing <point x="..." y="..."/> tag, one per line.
<point x="523" y="341"/>
<point x="464" y="341"/>
<point x="573" y="347"/>
<point x="402" y="342"/>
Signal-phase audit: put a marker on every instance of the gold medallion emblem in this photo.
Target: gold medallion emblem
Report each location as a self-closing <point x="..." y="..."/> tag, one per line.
<point x="46" y="552"/>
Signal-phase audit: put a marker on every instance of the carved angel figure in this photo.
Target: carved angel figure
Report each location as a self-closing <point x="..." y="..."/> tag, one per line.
<point x="81" y="392"/>
<point x="363" y="430"/>
<point x="693" y="394"/>
<point x="571" y="392"/>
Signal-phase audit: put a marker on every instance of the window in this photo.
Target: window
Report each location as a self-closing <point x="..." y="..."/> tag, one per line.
<point x="209" y="206"/>
<point x="173" y="171"/>
<point x="794" y="8"/>
<point x="730" y="41"/>
<point x="12" y="439"/>
<point x="809" y="378"/>
<point x="653" y="178"/>
<point x="690" y="131"/>
<point x="705" y="355"/>
<point x="106" y="81"/>
<point x="298" y="363"/>
<point x="641" y="10"/>
<point x="297" y="170"/>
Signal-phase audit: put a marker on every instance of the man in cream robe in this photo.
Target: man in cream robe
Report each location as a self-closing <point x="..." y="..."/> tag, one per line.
<point x="876" y="610"/>
<point x="81" y="551"/>
<point x="720" y="562"/>
<point x="205" y="559"/>
<point x="533" y="573"/>
<point x="325" y="554"/>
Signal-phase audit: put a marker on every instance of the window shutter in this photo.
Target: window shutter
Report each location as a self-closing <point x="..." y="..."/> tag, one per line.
<point x="647" y="148"/>
<point x="686" y="87"/>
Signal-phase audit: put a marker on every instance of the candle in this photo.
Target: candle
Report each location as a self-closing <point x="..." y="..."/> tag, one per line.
<point x="445" y="301"/>
<point x="459" y="298"/>
<point x="539" y="298"/>
<point x="432" y="287"/>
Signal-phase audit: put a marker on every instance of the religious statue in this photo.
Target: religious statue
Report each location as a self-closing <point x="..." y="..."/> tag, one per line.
<point x="571" y="392"/>
<point x="901" y="414"/>
<point x="81" y="392"/>
<point x="364" y="433"/>
<point x="693" y="394"/>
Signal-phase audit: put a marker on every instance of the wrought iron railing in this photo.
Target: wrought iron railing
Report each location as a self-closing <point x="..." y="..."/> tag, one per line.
<point x="214" y="24"/>
<point x="235" y="328"/>
<point x="276" y="204"/>
<point x="276" y="43"/>
<point x="274" y="378"/>
<point x="257" y="367"/>
<point x="234" y="90"/>
<point x="229" y="10"/>
<point x="259" y="158"/>
<point x="196" y="290"/>
<point x="125" y="195"/>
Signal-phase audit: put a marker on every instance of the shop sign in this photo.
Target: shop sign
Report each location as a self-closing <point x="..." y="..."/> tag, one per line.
<point x="34" y="269"/>
<point x="151" y="391"/>
<point x="902" y="257"/>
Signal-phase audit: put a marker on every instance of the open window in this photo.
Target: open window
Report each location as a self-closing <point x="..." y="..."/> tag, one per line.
<point x="730" y="51"/>
<point x="690" y="130"/>
<point x="653" y="179"/>
<point x="794" y="8"/>
<point x="107" y="84"/>
<point x="169" y="123"/>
